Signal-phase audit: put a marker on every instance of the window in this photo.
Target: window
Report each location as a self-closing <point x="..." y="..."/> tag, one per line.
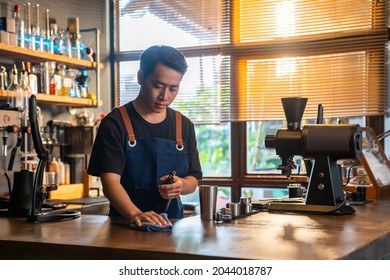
<point x="261" y="160"/>
<point x="244" y="56"/>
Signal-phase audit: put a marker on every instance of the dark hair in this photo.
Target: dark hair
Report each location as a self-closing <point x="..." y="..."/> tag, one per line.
<point x="166" y="55"/>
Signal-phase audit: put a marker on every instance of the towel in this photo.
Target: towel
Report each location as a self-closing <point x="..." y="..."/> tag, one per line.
<point x="152" y="227"/>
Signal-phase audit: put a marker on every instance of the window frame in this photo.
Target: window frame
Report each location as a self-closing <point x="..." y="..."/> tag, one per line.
<point x="239" y="176"/>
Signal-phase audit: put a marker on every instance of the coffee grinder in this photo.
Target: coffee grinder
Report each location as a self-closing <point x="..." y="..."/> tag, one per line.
<point x="323" y="144"/>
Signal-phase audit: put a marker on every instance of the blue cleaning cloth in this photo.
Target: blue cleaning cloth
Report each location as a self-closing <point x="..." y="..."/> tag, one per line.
<point x="152" y="227"/>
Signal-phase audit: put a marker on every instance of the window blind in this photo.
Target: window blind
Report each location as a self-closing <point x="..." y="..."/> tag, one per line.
<point x="244" y="56"/>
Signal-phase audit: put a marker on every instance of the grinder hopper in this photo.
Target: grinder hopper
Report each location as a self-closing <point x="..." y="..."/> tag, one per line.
<point x="294" y="108"/>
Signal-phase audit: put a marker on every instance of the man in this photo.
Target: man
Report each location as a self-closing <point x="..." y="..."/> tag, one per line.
<point x="139" y="145"/>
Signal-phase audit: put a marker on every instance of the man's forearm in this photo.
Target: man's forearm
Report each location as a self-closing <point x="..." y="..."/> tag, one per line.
<point x="190" y="184"/>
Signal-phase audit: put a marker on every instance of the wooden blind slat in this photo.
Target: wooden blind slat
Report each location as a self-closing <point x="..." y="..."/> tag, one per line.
<point x="244" y="55"/>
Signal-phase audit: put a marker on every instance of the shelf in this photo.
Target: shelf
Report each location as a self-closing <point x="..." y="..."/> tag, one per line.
<point x="66" y="100"/>
<point x="22" y="54"/>
<point x="59" y="100"/>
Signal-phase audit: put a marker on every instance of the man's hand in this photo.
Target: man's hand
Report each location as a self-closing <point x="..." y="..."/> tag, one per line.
<point x="171" y="190"/>
<point x="150" y="217"/>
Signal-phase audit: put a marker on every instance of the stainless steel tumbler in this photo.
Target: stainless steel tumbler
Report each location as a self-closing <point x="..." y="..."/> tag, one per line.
<point x="208" y="201"/>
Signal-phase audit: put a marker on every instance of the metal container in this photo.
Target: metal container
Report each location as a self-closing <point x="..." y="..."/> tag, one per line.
<point x="248" y="208"/>
<point x="235" y="209"/>
<point x="208" y="202"/>
<point x="245" y="200"/>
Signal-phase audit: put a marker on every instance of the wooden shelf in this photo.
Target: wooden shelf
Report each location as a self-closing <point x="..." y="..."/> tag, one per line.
<point x="66" y="100"/>
<point x="59" y="100"/>
<point x="22" y="54"/>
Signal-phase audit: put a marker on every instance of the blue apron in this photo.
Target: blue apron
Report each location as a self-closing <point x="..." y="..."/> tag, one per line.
<point x="149" y="159"/>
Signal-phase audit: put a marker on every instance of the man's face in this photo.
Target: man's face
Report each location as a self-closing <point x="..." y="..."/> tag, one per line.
<point x="160" y="88"/>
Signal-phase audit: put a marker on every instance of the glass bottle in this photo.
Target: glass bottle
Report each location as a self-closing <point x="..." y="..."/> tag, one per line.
<point x="56" y="41"/>
<point x="37" y="29"/>
<point x="44" y="68"/>
<point x="66" y="45"/>
<point x="19" y="26"/>
<point x="75" y="87"/>
<point x="29" y="40"/>
<point x="74" y="37"/>
<point x="55" y="80"/>
<point x="4" y="78"/>
<point x="25" y="93"/>
<point x="2" y="87"/>
<point x="36" y="68"/>
<point x="32" y="78"/>
<point x="83" y="80"/>
<point x="14" y="90"/>
<point x="47" y="42"/>
<point x="66" y="82"/>
<point x="42" y="71"/>
<point x="75" y="48"/>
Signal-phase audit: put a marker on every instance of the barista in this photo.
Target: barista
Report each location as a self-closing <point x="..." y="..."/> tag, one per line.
<point x="139" y="144"/>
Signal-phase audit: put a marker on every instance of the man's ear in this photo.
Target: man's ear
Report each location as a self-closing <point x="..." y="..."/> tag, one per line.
<point x="140" y="77"/>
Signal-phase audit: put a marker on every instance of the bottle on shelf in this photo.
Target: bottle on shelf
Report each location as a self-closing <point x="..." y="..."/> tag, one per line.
<point x="56" y="41"/>
<point x="19" y="26"/>
<point x="36" y="28"/>
<point x="75" y="86"/>
<point x="47" y="41"/>
<point x="14" y="89"/>
<point x="42" y="71"/>
<point x="61" y="172"/>
<point x="53" y="166"/>
<point x="83" y="80"/>
<point x="29" y="39"/>
<point x="3" y="78"/>
<point x="55" y="80"/>
<point x="22" y="99"/>
<point x="45" y="77"/>
<point x="66" y="45"/>
<point x="74" y="37"/>
<point x="2" y="87"/>
<point x="66" y="82"/>
<point x="32" y="77"/>
<point x="36" y="68"/>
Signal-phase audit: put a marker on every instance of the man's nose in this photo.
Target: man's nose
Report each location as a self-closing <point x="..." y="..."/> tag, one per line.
<point x="164" y="93"/>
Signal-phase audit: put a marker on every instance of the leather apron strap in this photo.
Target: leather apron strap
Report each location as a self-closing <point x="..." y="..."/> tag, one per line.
<point x="128" y="125"/>
<point x="130" y="131"/>
<point x="179" y="138"/>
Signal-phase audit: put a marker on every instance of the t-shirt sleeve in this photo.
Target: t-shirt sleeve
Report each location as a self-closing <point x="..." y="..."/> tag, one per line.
<point x="108" y="149"/>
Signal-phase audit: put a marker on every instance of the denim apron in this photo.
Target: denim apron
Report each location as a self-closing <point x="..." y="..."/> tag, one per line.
<point x="149" y="159"/>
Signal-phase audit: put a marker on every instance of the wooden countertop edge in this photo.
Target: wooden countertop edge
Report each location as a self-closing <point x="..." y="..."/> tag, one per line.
<point x="10" y="250"/>
<point x="378" y="249"/>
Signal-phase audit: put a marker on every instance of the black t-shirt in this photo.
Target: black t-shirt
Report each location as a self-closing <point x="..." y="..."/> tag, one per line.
<point x="108" y="153"/>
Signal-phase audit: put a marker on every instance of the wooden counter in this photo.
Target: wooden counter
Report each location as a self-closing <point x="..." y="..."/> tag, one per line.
<point x="364" y="235"/>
